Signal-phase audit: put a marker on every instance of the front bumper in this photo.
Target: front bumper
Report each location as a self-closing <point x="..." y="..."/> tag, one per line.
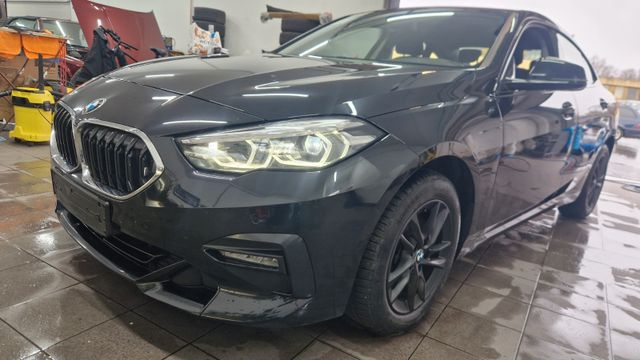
<point x="318" y="222"/>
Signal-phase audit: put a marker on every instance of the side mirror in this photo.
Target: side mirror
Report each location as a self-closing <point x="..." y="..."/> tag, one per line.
<point x="549" y="74"/>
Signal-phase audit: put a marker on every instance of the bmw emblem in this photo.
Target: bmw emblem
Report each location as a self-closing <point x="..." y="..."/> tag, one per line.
<point x="95" y="104"/>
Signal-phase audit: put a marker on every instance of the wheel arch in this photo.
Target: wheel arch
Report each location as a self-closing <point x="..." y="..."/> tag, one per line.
<point x="455" y="162"/>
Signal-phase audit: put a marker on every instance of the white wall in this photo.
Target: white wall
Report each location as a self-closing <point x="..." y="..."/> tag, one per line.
<point x="54" y="9"/>
<point x="245" y="34"/>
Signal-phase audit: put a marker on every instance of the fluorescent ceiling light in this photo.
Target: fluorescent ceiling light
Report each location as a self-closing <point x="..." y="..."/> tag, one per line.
<point x="420" y="15"/>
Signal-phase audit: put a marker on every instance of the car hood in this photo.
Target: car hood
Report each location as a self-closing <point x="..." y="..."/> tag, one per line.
<point x="139" y="29"/>
<point x="273" y="87"/>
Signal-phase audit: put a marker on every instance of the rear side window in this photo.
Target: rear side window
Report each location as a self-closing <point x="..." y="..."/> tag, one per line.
<point x="567" y="51"/>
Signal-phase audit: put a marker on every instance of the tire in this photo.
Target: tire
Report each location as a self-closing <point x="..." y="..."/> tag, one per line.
<point x="372" y="305"/>
<point x="210" y="15"/>
<point x="588" y="198"/>
<point x="288" y="36"/>
<point x="619" y="133"/>
<point x="298" y="25"/>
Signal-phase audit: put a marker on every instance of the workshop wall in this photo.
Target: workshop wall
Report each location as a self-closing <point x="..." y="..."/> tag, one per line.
<point x="245" y="33"/>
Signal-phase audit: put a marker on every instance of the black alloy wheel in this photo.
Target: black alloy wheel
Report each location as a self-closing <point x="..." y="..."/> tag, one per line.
<point x="417" y="264"/>
<point x="408" y="257"/>
<point x="590" y="193"/>
<point x="596" y="180"/>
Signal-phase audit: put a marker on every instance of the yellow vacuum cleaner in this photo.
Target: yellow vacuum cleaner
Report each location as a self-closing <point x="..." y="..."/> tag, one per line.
<point x="33" y="109"/>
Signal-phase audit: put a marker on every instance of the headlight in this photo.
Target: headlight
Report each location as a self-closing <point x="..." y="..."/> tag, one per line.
<point x="294" y="144"/>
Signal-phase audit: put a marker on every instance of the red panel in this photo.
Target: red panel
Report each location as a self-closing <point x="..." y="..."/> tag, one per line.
<point x="136" y="28"/>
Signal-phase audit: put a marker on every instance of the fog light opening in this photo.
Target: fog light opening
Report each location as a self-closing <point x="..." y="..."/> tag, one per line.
<point x="263" y="261"/>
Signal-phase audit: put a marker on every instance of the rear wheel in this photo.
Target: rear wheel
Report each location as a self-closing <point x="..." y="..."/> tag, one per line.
<point x="408" y="258"/>
<point x="590" y="193"/>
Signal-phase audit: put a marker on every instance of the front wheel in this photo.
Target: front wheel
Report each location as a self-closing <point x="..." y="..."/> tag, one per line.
<point x="408" y="258"/>
<point x="590" y="193"/>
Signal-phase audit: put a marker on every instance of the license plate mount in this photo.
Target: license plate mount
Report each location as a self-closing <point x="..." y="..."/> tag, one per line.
<point x="88" y="208"/>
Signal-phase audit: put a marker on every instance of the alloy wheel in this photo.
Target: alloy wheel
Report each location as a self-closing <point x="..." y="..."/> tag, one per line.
<point x="596" y="181"/>
<point x="421" y="256"/>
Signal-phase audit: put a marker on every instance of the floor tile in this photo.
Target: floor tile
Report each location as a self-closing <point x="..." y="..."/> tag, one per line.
<point x="128" y="336"/>
<point x="60" y="315"/>
<point x="76" y="263"/>
<point x="571" y="304"/>
<point x="28" y="223"/>
<point x="502" y="284"/>
<point x="509" y="265"/>
<point x="189" y="352"/>
<point x="446" y="293"/>
<point x="29" y="281"/>
<point x="487" y="304"/>
<point x="461" y="269"/>
<point x="238" y="342"/>
<point x="13" y="345"/>
<point x="568" y="332"/>
<point x="180" y="323"/>
<point x="431" y="349"/>
<point x="41" y="355"/>
<point x="12" y="207"/>
<point x="536" y="349"/>
<point x="118" y="289"/>
<point x="425" y="325"/>
<point x="45" y="201"/>
<point x="579" y="266"/>
<point x="363" y="345"/>
<point x="531" y="233"/>
<point x="321" y="351"/>
<point x="475" y="335"/>
<point x="625" y="347"/>
<point x="45" y="243"/>
<point x="623" y="296"/>
<point x="11" y="256"/>
<point x="522" y="250"/>
<point x="578" y="233"/>
<point x="625" y="321"/>
<point x="574" y="283"/>
<point x="20" y="189"/>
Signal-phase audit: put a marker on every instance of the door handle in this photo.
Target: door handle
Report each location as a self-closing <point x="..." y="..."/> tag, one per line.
<point x="568" y="111"/>
<point x="604" y="104"/>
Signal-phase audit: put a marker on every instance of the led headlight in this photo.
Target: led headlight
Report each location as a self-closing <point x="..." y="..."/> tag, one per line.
<point x="294" y="144"/>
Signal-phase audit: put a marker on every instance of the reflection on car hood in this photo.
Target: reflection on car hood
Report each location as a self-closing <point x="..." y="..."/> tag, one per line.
<point x="275" y="87"/>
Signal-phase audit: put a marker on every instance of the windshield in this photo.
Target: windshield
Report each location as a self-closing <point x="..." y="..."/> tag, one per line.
<point x="460" y="38"/>
<point x="67" y="29"/>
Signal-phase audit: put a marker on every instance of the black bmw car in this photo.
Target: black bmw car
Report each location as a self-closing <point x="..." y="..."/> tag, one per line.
<point x="340" y="174"/>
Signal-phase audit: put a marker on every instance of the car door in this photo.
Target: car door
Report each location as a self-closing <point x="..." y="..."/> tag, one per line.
<point x="537" y="130"/>
<point x="595" y="108"/>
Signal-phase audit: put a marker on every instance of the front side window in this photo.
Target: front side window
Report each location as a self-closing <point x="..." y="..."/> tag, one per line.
<point x="567" y="51"/>
<point x="460" y="38"/>
<point x="533" y="45"/>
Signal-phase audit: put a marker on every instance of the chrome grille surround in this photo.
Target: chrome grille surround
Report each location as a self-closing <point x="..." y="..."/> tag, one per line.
<point x="85" y="173"/>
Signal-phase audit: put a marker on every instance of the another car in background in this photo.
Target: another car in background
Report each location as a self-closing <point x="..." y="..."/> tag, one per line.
<point x="76" y="42"/>
<point x="629" y="123"/>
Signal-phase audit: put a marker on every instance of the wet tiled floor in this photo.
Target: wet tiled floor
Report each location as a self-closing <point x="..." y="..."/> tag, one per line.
<point x="551" y="289"/>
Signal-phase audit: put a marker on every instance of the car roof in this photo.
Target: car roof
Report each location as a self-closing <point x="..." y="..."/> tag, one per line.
<point x="31" y="17"/>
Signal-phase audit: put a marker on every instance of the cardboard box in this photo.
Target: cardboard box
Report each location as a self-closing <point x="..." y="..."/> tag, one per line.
<point x="13" y="70"/>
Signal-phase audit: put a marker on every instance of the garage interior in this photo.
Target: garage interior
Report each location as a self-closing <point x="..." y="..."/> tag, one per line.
<point x="552" y="288"/>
